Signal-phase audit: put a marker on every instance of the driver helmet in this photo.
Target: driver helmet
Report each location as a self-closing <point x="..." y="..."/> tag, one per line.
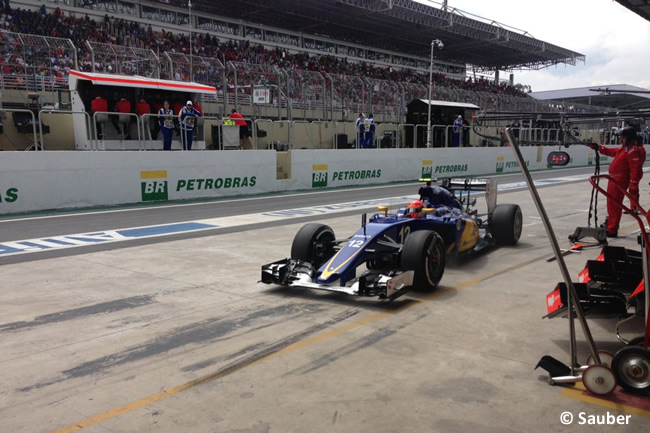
<point x="414" y="209"/>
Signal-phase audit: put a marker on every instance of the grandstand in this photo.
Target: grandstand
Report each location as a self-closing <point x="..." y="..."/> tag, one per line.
<point x="401" y="26"/>
<point x="319" y="60"/>
<point x="136" y="36"/>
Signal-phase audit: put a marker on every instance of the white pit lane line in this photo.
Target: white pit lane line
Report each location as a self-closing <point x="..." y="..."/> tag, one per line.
<point x="53" y="243"/>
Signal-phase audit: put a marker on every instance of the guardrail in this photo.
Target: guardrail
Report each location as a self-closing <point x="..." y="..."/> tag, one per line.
<point x="287" y="134"/>
<point x="269" y="132"/>
<point x="35" y="143"/>
<point x="123" y="122"/>
<point x="86" y="118"/>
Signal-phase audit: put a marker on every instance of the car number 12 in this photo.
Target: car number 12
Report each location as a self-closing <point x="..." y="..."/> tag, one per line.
<point x="355" y="244"/>
<point x="404" y="233"/>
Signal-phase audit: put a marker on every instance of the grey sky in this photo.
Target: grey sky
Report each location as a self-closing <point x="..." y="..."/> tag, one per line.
<point x="615" y="41"/>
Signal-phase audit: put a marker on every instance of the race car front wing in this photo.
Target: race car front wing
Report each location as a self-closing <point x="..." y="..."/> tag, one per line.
<point x="298" y="273"/>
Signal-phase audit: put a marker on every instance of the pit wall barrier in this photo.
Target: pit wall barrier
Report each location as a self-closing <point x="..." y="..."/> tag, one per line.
<point x="34" y="181"/>
<point x="336" y="168"/>
<point x="45" y="180"/>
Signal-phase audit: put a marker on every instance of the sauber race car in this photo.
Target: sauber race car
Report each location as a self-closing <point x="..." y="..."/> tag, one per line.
<point x="402" y="250"/>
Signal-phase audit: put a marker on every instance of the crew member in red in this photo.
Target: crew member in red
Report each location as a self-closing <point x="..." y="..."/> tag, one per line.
<point x="627" y="170"/>
<point x="122" y="106"/>
<point x="142" y="107"/>
<point x="99" y="105"/>
<point x="177" y="107"/>
<point x="198" y="107"/>
<point x="244" y="130"/>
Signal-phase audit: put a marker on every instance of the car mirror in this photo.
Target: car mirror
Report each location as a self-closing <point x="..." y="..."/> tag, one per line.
<point x="383" y="209"/>
<point x="428" y="210"/>
<point x="558" y="159"/>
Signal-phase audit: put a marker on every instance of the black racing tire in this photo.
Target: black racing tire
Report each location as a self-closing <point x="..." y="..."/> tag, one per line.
<point x="631" y="365"/>
<point x="424" y="253"/>
<point x="506" y="224"/>
<point x="314" y="244"/>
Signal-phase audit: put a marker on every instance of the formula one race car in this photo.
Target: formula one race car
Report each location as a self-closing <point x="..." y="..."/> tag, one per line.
<point x="403" y="250"/>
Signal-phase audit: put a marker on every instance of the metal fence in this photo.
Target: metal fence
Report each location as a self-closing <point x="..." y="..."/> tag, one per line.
<point x="27" y="56"/>
<point x="42" y="63"/>
<point x="284" y="135"/>
<point x="120" y="59"/>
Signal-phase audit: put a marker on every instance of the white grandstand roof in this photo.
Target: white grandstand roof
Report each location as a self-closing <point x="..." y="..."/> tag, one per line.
<point x="138" y="82"/>
<point x="450" y="104"/>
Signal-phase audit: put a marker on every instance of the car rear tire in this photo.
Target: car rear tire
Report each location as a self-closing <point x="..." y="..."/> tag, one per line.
<point x="506" y="225"/>
<point x="424" y="253"/>
<point x="314" y="244"/>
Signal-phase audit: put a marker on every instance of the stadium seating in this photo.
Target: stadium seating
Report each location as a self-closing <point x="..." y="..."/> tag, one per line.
<point x="356" y="84"/>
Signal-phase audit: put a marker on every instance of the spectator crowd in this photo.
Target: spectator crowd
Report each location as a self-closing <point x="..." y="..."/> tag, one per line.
<point x="48" y="61"/>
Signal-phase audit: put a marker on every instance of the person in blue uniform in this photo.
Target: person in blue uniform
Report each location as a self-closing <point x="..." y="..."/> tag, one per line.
<point x="458" y="130"/>
<point x="368" y="132"/>
<point x="187" y="116"/>
<point x="166" y="121"/>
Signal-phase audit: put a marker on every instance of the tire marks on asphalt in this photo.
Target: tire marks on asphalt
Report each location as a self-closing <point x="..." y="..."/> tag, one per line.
<point x="207" y="331"/>
<point x="77" y="313"/>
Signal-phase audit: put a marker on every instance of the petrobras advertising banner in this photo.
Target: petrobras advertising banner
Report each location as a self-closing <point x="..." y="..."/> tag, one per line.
<point x="358" y="167"/>
<point x="31" y="181"/>
<point x="44" y="180"/>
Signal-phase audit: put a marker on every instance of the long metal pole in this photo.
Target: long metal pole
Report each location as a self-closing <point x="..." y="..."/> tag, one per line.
<point x="189" y="8"/>
<point x="429" y="136"/>
<point x="573" y="301"/>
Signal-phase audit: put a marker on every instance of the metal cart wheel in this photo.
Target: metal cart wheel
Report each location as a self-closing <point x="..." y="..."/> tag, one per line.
<point x="606" y="358"/>
<point x="632" y="367"/>
<point x="636" y="341"/>
<point x="599" y="380"/>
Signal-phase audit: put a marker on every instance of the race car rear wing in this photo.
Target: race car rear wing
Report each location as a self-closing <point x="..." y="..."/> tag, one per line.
<point x="474" y="185"/>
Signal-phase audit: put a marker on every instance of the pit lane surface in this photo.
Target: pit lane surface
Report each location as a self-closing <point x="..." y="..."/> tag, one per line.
<point x="174" y="334"/>
<point x="51" y="232"/>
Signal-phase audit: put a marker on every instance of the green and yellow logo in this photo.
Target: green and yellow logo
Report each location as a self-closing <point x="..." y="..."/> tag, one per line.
<point x="319" y="176"/>
<point x="427" y="169"/>
<point x="153" y="185"/>
<point x="500" y="164"/>
<point x="590" y="159"/>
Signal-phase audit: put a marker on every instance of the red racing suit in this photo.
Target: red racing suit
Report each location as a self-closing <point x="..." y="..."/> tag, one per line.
<point x="627" y="169"/>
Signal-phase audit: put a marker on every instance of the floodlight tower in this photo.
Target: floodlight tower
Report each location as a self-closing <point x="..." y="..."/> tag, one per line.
<point x="436" y="44"/>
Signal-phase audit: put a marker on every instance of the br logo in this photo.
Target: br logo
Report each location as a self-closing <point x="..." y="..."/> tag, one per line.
<point x="500" y="164"/>
<point x="153" y="185"/>
<point x="427" y="169"/>
<point x="319" y="176"/>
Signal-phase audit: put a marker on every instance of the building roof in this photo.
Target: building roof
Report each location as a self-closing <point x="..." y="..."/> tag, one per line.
<point x="138" y="82"/>
<point x="403" y="26"/>
<point x="435" y="103"/>
<point x="614" y="96"/>
<point x="639" y="7"/>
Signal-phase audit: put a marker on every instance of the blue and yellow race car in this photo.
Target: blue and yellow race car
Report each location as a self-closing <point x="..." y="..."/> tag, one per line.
<point x="394" y="252"/>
